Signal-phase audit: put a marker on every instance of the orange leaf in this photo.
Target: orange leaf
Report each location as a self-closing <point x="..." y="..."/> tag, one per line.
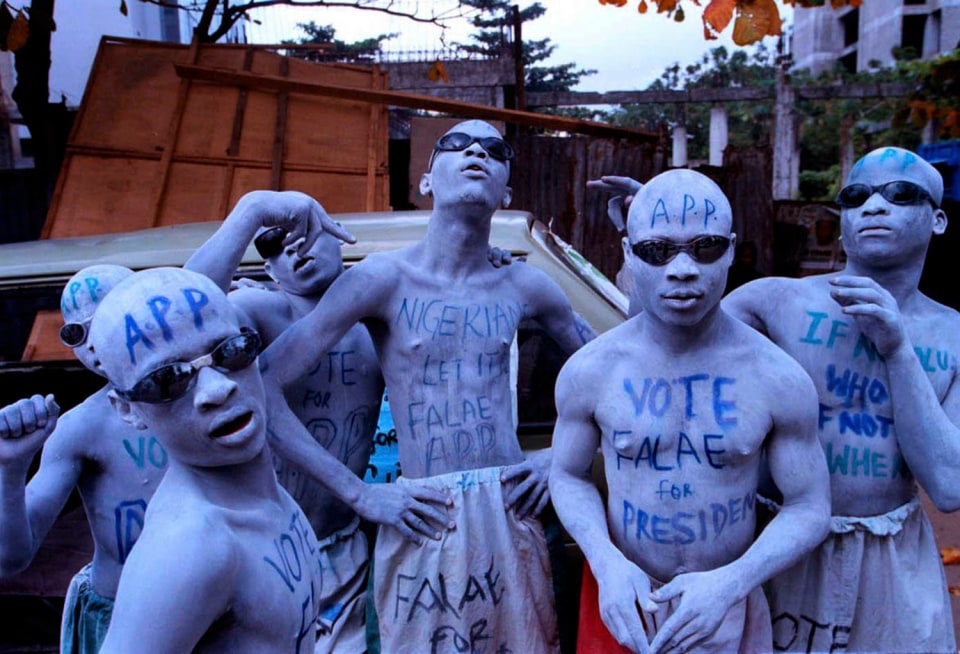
<point x="642" y="7"/>
<point x="615" y="3"/>
<point x="717" y="15"/>
<point x="665" y="5"/>
<point x="949" y="555"/>
<point x="19" y="32"/>
<point x="679" y="15"/>
<point x="438" y="72"/>
<point x="755" y="20"/>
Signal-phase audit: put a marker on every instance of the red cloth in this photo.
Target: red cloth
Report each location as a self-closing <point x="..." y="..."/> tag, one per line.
<point x="592" y="634"/>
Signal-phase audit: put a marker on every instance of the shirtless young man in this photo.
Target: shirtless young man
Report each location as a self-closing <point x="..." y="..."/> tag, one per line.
<point x="115" y="467"/>
<point x="338" y="399"/>
<point x="226" y="560"/>
<point x="684" y="401"/>
<point x="883" y="357"/>
<point x="442" y="320"/>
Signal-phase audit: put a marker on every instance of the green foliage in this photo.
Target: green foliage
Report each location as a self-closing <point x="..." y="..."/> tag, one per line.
<point x="357" y="52"/>
<point x="493" y="23"/>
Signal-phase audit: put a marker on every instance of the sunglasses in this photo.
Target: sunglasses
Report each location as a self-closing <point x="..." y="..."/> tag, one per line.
<point x="174" y="380"/>
<point x="270" y="243"/>
<point x="897" y="192"/>
<point x="74" y="334"/>
<point x="704" y="249"/>
<point x="457" y="141"/>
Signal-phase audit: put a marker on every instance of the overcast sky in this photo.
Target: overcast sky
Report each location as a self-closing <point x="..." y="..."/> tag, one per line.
<point x="628" y="50"/>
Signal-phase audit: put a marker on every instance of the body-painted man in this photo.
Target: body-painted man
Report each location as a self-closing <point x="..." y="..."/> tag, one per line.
<point x="226" y="561"/>
<point x="442" y="321"/>
<point x="114" y="466"/>
<point x="685" y="403"/>
<point x="883" y="357"/>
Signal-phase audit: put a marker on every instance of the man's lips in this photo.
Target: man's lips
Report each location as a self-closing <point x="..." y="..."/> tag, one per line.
<point x="301" y="263"/>
<point x="232" y="425"/>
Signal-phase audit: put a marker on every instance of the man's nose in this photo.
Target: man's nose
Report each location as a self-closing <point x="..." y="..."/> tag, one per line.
<point x="682" y="267"/>
<point x="213" y="388"/>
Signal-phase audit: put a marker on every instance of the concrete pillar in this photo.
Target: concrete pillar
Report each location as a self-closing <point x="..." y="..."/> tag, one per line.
<point x="786" y="162"/>
<point x="679" y="146"/>
<point x="718" y="134"/>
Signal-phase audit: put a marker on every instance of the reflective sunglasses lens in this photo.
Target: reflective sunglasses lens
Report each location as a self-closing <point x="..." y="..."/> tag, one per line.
<point x="854" y="195"/>
<point x="270" y="243"/>
<point x="453" y="141"/>
<point x="656" y="253"/>
<point x="164" y="384"/>
<point x="73" y="334"/>
<point x="497" y="148"/>
<point x="237" y="352"/>
<point x="709" y="248"/>
<point x="901" y="192"/>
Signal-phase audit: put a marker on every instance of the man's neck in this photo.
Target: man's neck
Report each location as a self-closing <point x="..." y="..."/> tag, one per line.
<point x="457" y="238"/>
<point x="236" y="486"/>
<point x="681" y="339"/>
<point x="902" y="282"/>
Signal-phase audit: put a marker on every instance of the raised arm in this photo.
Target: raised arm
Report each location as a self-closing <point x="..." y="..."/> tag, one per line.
<point x="622" y="585"/>
<point x="299" y="214"/>
<point x="30" y="510"/>
<point x="798" y="467"/>
<point x="927" y="430"/>
<point x="748" y="302"/>
<point x="551" y="308"/>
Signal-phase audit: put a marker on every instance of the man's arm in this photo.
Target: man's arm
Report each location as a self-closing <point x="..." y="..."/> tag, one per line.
<point x="927" y="431"/>
<point x="296" y="212"/>
<point x="748" y="302"/>
<point x="622" y="585"/>
<point x="169" y="595"/>
<point x="29" y="510"/>
<point x="798" y="467"/>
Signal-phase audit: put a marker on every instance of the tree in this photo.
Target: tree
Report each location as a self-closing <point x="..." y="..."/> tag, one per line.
<point x="364" y="51"/>
<point x="495" y="21"/>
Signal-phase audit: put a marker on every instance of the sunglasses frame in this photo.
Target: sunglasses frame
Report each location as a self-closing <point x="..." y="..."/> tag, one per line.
<point x="208" y="360"/>
<point x="484" y="141"/>
<point x="84" y="325"/>
<point x="674" y="249"/>
<point x="922" y="195"/>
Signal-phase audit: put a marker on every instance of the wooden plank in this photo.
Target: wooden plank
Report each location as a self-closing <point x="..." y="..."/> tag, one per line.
<point x="280" y="131"/>
<point x="171" y="141"/>
<point x="731" y="94"/>
<point x="274" y="83"/>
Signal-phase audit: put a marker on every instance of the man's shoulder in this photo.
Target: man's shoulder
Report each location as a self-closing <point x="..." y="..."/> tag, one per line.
<point x="86" y="426"/>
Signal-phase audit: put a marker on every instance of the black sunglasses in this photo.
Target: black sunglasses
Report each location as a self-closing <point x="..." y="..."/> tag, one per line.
<point x="898" y="192"/>
<point x="270" y="243"/>
<point x="174" y="380"/>
<point x="74" y="334"/>
<point x="703" y="249"/>
<point x="457" y="141"/>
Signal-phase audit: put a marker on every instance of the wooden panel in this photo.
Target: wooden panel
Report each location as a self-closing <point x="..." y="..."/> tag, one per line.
<point x="151" y="148"/>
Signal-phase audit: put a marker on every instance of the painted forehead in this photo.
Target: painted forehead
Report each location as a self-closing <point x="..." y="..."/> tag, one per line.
<point x="888" y="164"/>
<point x="475" y="128"/>
<point x="87" y="288"/>
<point x="158" y="312"/>
<point x="680" y="201"/>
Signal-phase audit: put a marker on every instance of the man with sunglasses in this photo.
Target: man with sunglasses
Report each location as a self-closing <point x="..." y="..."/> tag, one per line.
<point x="114" y="466"/>
<point x="685" y="403"/>
<point x="226" y="560"/>
<point x="884" y="359"/>
<point x="338" y="399"/>
<point x="443" y="320"/>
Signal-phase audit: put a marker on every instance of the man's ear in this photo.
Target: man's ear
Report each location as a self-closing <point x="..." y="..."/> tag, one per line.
<point x="127" y="411"/>
<point x="939" y="222"/>
<point x="507" y="197"/>
<point x="425" y="185"/>
<point x="731" y="252"/>
<point x="627" y="252"/>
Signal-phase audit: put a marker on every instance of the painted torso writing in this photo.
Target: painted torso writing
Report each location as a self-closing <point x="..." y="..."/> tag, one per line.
<point x="857" y="425"/>
<point x="681" y="442"/>
<point x="121" y="469"/>
<point x="445" y="353"/>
